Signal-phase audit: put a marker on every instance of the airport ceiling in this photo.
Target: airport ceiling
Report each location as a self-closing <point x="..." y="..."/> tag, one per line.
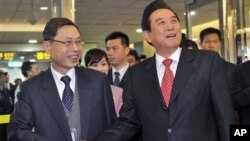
<point x="20" y="20"/>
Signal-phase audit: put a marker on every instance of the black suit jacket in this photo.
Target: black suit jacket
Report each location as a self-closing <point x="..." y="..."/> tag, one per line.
<point x="241" y="92"/>
<point x="200" y="105"/>
<point x="40" y="107"/>
<point x="229" y="68"/>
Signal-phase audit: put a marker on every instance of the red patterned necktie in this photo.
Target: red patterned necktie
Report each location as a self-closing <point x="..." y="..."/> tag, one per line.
<point x="167" y="81"/>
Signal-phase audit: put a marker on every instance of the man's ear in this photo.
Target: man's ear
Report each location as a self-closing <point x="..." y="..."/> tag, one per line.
<point x="46" y="46"/>
<point x="146" y="36"/>
<point x="127" y="49"/>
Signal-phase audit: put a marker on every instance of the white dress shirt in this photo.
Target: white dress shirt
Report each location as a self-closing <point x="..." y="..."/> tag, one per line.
<point x="160" y="67"/>
<point x="59" y="84"/>
<point x="122" y="72"/>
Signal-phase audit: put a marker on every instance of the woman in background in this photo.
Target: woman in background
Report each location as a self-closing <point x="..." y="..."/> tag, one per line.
<point x="97" y="59"/>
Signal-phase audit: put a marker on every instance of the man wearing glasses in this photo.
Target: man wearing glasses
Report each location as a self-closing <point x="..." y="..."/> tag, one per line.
<point x="66" y="102"/>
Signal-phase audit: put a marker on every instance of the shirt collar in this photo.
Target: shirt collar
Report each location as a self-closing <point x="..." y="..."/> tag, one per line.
<point x="57" y="76"/>
<point x="175" y="57"/>
<point x="122" y="71"/>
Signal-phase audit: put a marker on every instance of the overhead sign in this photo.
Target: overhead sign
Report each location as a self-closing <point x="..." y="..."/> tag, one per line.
<point x="7" y="56"/>
<point x="42" y="56"/>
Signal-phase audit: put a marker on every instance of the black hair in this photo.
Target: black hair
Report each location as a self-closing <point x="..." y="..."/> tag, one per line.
<point x="135" y="54"/>
<point x="209" y="30"/>
<point x="186" y="43"/>
<point x="94" y="55"/>
<point x="155" y="5"/>
<point x="26" y="66"/>
<point x="118" y="35"/>
<point x="53" y="25"/>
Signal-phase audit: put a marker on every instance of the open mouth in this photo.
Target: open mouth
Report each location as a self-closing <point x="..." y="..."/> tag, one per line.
<point x="171" y="35"/>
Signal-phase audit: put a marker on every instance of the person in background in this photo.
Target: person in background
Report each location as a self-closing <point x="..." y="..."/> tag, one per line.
<point x="29" y="70"/>
<point x="241" y="92"/>
<point x="117" y="48"/>
<point x="133" y="57"/>
<point x="97" y="59"/>
<point x="6" y="105"/>
<point x="65" y="102"/>
<point x="188" y="44"/>
<point x="176" y="95"/>
<point x="17" y="82"/>
<point x="143" y="57"/>
<point x="210" y="39"/>
<point x="9" y="86"/>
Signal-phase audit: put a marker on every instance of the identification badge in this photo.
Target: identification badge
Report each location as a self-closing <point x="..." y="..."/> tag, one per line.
<point x="73" y="134"/>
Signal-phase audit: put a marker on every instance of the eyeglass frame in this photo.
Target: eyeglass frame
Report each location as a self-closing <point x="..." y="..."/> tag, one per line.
<point x="70" y="42"/>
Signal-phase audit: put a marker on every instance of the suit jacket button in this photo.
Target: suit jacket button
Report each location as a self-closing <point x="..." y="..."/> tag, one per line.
<point x="170" y="130"/>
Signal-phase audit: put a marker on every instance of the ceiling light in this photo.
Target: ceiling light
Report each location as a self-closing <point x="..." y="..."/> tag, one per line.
<point x="43" y="8"/>
<point x="32" y="60"/>
<point x="32" y="41"/>
<point x="248" y="29"/>
<point x="139" y="30"/>
<point x="22" y="57"/>
<point x="192" y="13"/>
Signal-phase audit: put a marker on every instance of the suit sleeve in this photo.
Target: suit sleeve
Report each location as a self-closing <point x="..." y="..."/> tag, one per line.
<point x="21" y="122"/>
<point x="109" y="103"/>
<point x="127" y="125"/>
<point x="221" y="99"/>
<point x="241" y="92"/>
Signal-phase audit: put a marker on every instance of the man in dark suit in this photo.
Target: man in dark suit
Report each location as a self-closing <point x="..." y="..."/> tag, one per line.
<point x="117" y="48"/>
<point x="210" y="39"/>
<point x="9" y="86"/>
<point x="64" y="103"/>
<point x="199" y="107"/>
<point x="241" y="92"/>
<point x="6" y="105"/>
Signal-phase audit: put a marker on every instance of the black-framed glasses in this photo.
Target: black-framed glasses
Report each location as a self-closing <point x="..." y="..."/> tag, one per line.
<point x="70" y="43"/>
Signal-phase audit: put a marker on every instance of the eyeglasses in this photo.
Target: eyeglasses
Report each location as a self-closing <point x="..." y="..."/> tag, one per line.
<point x="70" y="43"/>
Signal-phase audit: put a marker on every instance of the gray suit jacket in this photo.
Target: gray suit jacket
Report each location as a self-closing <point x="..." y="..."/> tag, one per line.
<point x="200" y="105"/>
<point x="39" y="106"/>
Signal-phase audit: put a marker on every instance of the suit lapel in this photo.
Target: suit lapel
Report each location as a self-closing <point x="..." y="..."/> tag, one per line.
<point x="84" y="87"/>
<point x="51" y="97"/>
<point x="110" y="76"/>
<point x="183" y="72"/>
<point x="152" y="79"/>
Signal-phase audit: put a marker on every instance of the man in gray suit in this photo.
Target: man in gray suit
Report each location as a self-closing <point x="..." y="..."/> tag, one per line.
<point x="66" y="102"/>
<point x="195" y="106"/>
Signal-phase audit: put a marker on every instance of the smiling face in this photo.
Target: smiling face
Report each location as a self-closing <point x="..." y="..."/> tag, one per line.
<point x="101" y="66"/>
<point x="64" y="57"/>
<point x="165" y="34"/>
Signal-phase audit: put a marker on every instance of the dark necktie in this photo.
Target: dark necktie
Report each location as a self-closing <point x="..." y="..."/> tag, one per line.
<point x="117" y="79"/>
<point x="167" y="81"/>
<point x="67" y="97"/>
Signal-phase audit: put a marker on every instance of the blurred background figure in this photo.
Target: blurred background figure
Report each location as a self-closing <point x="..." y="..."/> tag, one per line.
<point x="17" y="82"/>
<point x="241" y="92"/>
<point x="133" y="57"/>
<point x="143" y="57"/>
<point x="29" y="69"/>
<point x="188" y="44"/>
<point x="97" y="59"/>
<point x="9" y="86"/>
<point x="6" y="104"/>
